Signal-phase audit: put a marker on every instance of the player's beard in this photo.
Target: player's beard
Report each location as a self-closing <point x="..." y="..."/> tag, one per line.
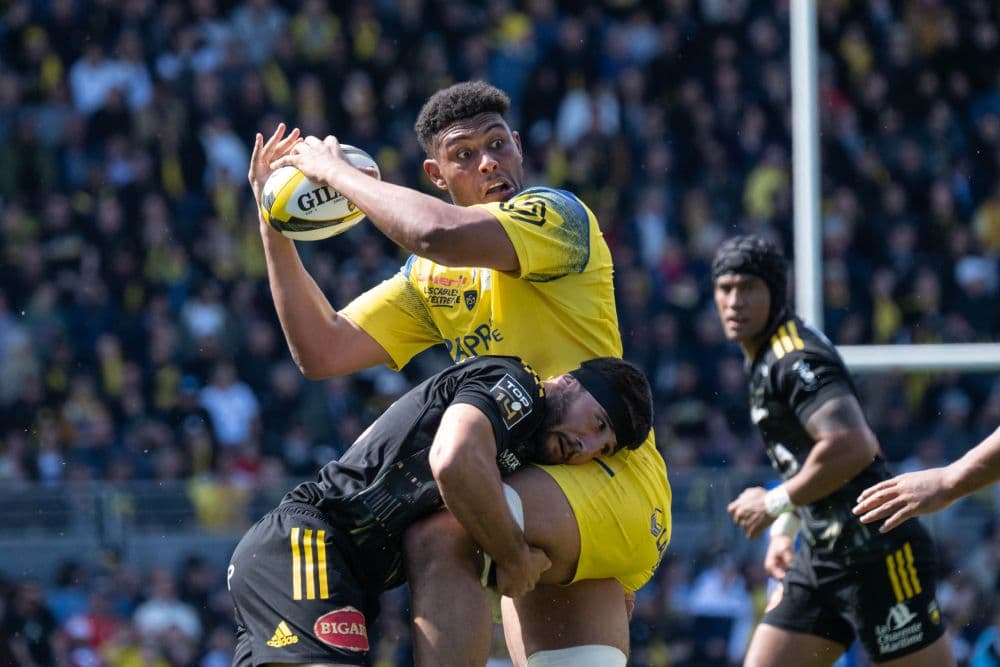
<point x="556" y="405"/>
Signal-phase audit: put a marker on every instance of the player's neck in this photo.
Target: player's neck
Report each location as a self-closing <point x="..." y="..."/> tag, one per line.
<point x="752" y="346"/>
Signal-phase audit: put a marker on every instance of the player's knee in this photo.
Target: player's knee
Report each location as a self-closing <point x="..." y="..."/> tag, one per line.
<point x="591" y="655"/>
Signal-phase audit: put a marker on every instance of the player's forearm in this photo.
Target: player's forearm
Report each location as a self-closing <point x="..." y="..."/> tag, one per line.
<point x="978" y="467"/>
<point x="480" y="507"/>
<point x="464" y="466"/>
<point x="305" y="314"/>
<point x="833" y="461"/>
<point x="422" y="224"/>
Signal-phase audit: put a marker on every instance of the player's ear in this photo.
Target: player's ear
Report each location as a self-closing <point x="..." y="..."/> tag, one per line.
<point x="433" y="171"/>
<point x="517" y="140"/>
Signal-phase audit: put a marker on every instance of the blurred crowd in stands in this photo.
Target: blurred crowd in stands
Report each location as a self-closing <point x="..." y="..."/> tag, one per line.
<point x="137" y="336"/>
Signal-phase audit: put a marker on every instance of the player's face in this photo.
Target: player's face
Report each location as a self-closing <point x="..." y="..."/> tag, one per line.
<point x="576" y="428"/>
<point x="744" y="302"/>
<point x="478" y="160"/>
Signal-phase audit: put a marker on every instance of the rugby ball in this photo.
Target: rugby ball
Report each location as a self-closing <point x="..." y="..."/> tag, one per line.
<point x="307" y="211"/>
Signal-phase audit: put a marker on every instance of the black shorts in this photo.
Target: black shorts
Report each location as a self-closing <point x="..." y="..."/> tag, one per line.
<point x="296" y="599"/>
<point x="885" y="599"/>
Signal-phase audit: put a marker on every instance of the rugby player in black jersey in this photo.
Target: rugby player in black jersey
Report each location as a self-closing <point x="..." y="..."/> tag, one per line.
<point x="306" y="578"/>
<point x="847" y="580"/>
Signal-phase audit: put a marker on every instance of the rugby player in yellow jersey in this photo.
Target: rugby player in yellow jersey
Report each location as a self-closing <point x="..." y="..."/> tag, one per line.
<point x="504" y="270"/>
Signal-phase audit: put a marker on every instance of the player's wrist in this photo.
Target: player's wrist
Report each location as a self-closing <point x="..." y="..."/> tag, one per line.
<point x="953" y="482"/>
<point x="777" y="501"/>
<point x="786" y="525"/>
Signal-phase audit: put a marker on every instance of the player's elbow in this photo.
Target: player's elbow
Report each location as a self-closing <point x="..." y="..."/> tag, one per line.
<point x="858" y="450"/>
<point x="446" y="464"/>
<point x="311" y="367"/>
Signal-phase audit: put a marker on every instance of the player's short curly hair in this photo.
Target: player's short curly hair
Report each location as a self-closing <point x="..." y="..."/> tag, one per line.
<point x="454" y="103"/>
<point x="624" y="391"/>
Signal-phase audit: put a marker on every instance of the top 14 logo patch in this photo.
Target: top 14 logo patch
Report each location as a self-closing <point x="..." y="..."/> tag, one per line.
<point x="514" y="400"/>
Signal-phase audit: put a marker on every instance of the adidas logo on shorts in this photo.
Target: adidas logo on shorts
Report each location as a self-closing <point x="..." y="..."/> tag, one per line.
<point x="283" y="636"/>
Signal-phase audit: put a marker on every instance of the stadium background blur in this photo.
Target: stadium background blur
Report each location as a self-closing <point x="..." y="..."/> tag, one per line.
<point x="145" y="388"/>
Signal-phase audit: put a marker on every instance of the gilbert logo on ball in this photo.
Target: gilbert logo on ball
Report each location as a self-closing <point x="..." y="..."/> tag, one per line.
<point x="307" y="211"/>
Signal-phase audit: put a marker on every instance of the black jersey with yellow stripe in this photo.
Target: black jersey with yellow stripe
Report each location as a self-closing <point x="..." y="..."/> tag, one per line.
<point x="383" y="483"/>
<point x="794" y="373"/>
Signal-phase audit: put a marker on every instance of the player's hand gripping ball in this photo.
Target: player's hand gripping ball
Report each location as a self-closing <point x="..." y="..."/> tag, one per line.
<point x="307" y="211"/>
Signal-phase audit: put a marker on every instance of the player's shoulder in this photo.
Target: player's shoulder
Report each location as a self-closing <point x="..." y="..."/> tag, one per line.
<point x="499" y="364"/>
<point x="539" y="202"/>
<point x="798" y="354"/>
<point x="793" y="339"/>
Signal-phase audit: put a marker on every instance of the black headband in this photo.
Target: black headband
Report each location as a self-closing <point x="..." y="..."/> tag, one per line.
<point x="611" y="401"/>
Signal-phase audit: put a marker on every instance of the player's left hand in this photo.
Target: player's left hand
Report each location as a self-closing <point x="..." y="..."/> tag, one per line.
<point x="265" y="153"/>
<point x="749" y="512"/>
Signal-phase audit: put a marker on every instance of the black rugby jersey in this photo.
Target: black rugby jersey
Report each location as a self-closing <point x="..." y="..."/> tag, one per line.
<point x="795" y="372"/>
<point x="383" y="483"/>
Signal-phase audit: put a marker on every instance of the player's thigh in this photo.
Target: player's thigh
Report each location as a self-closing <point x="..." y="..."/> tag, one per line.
<point x="549" y="522"/>
<point x="938" y="654"/>
<point x="772" y="646"/>
<point x="556" y="617"/>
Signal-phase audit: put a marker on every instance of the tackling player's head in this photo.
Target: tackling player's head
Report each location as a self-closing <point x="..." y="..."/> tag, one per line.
<point x="740" y="264"/>
<point x="595" y="410"/>
<point x="471" y="150"/>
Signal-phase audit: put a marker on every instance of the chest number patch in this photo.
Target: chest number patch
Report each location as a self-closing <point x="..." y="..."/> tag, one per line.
<point x="513" y="399"/>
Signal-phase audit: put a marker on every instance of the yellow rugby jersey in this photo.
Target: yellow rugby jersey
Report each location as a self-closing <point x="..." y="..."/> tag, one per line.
<point x="558" y="311"/>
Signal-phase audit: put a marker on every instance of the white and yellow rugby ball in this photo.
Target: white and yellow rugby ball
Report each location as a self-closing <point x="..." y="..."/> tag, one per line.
<point x="307" y="211"/>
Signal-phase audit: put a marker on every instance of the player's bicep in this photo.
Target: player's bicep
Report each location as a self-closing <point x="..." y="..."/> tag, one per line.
<point x="835" y="416"/>
<point x="465" y="431"/>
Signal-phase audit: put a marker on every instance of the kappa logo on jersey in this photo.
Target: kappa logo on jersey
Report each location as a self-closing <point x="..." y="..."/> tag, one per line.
<point x="899" y="630"/>
<point x="514" y="401"/>
<point x="343" y="628"/>
<point x="470" y="297"/>
<point x="805" y="373"/>
<point x="283" y="636"/>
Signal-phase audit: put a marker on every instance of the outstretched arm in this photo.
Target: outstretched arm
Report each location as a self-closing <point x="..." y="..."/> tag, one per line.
<point x="424" y="225"/>
<point x="926" y="491"/>
<point x="463" y="460"/>
<point x="322" y="342"/>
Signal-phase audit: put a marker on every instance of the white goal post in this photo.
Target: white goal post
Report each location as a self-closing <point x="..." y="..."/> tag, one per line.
<point x="808" y="237"/>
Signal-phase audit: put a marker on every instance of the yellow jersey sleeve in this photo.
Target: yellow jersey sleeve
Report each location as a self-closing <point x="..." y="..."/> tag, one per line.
<point x="550" y="230"/>
<point x="396" y="315"/>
